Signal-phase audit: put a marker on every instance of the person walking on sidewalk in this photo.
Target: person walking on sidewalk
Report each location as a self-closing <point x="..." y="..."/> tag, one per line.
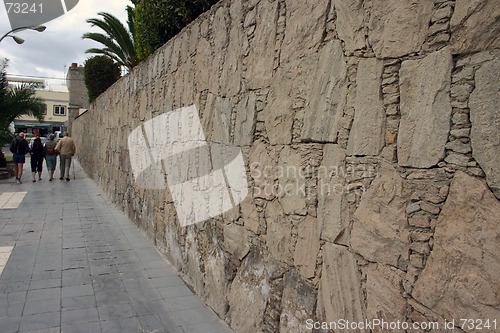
<point x="19" y="148"/>
<point x="37" y="154"/>
<point x="50" y="156"/>
<point x="67" y="149"/>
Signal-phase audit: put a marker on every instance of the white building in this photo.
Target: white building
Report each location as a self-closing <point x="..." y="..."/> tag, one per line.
<point x="56" y="99"/>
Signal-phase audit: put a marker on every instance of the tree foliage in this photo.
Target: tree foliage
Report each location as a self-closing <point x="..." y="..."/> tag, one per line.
<point x="100" y="73"/>
<point x="157" y="21"/>
<point x="15" y="102"/>
<point x="118" y="42"/>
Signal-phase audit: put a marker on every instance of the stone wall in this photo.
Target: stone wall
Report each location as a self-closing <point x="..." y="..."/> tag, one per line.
<point x="370" y="131"/>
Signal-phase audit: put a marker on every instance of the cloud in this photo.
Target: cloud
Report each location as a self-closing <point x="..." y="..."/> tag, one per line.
<point x="49" y="53"/>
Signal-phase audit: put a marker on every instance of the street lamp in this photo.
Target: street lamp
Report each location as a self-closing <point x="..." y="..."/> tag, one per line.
<point x="18" y="40"/>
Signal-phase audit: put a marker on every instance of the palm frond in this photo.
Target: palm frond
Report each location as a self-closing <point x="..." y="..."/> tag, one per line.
<point x="117" y="39"/>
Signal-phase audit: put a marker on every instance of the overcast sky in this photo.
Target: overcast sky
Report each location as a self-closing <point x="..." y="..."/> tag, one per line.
<point x="46" y="54"/>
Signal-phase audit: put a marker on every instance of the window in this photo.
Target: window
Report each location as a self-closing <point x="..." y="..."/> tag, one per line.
<point x="44" y="109"/>
<point x="59" y="110"/>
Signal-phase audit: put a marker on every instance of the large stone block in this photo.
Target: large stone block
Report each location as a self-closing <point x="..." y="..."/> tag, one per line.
<point x="262" y="49"/>
<point x="216" y="119"/>
<point x="350" y="26"/>
<point x="304" y="28"/>
<point x="291" y="86"/>
<point x="244" y="126"/>
<point x="279" y="116"/>
<point x="279" y="233"/>
<point x="292" y="182"/>
<point x="383" y="293"/>
<point x="380" y="232"/>
<point x="307" y="247"/>
<point x="425" y="110"/>
<point x="298" y="303"/>
<point x="397" y="28"/>
<point x="367" y="135"/>
<point x="474" y="26"/>
<point x="485" y="119"/>
<point x="193" y="262"/>
<point x="204" y="67"/>
<point x="331" y="219"/>
<point x="216" y="284"/>
<point x="462" y="275"/>
<point x="263" y="170"/>
<point x="325" y="104"/>
<point x="248" y="295"/>
<point x="339" y="295"/>
<point x="232" y="66"/>
<point x="236" y="240"/>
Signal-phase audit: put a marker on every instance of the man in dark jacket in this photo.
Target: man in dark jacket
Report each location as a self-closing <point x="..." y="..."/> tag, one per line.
<point x="19" y="148"/>
<point x="37" y="154"/>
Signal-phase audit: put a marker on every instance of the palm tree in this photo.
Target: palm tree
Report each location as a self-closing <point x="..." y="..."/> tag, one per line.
<point x="16" y="102"/>
<point x="118" y="41"/>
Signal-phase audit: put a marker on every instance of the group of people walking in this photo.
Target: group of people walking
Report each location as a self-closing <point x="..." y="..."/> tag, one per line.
<point x="49" y="151"/>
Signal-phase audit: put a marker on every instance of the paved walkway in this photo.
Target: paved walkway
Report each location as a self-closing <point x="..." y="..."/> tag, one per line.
<point x="70" y="261"/>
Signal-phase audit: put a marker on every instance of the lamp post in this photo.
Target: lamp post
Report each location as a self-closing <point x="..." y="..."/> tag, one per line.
<point x="18" y="40"/>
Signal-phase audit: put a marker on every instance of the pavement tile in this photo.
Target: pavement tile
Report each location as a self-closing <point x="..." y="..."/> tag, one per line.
<point x="13" y="297"/>
<point x="78" y="316"/>
<point x="93" y="327"/>
<point x="36" y="307"/>
<point x="184" y="303"/>
<point x="210" y="327"/>
<point x="144" y="295"/>
<point x="150" y="307"/>
<point x="40" y="321"/>
<point x="174" y="291"/>
<point x="75" y="272"/>
<point x="46" y="275"/>
<point x="120" y="325"/>
<point x="194" y="316"/>
<point x="12" y="286"/>
<point x="160" y="322"/>
<point x="159" y="272"/>
<point x="11" y="309"/>
<point x="78" y="302"/>
<point x="43" y="294"/>
<point x="139" y="274"/>
<point x="44" y="284"/>
<point x="81" y="290"/>
<point x="111" y="311"/>
<point x="134" y="284"/>
<point x="77" y="280"/>
<point x="130" y="267"/>
<point x="167" y="281"/>
<point x="10" y="324"/>
<point x="109" y="298"/>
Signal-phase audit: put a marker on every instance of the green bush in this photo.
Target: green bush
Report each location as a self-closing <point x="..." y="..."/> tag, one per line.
<point x="100" y="73"/>
<point x="157" y="21"/>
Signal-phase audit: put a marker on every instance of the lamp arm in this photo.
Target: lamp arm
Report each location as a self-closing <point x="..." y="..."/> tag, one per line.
<point x="20" y="29"/>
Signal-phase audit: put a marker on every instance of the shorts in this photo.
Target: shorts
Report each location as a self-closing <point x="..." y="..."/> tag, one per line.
<point x="18" y="158"/>
<point x="36" y="163"/>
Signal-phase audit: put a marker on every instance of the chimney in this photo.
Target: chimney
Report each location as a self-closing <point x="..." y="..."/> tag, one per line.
<point x="74" y="65"/>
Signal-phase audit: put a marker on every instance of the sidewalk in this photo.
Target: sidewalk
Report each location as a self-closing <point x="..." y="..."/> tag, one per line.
<point x="75" y="263"/>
